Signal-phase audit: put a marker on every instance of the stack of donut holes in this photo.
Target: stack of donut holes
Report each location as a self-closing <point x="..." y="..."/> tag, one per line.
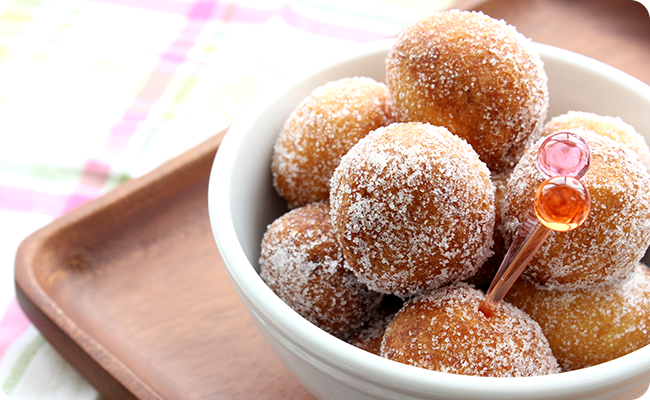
<point x="587" y="288"/>
<point x="404" y="196"/>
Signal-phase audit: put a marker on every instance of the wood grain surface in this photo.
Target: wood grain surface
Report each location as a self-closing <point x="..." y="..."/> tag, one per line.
<point x="131" y="289"/>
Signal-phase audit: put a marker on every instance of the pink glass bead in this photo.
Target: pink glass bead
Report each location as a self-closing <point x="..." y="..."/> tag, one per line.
<point x="564" y="153"/>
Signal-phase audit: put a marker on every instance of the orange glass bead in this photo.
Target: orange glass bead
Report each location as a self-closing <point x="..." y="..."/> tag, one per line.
<point x="562" y="203"/>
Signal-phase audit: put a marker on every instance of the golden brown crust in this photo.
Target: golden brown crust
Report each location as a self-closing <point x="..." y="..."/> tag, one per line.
<point x="320" y="131"/>
<point x="483" y="277"/>
<point x="302" y="263"/>
<point x="369" y="337"/>
<point x="445" y="331"/>
<point x="476" y="76"/>
<point x="590" y="326"/>
<point x="413" y="209"/>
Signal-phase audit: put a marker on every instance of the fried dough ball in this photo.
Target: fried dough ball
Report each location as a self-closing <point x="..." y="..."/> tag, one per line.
<point x="484" y="276"/>
<point x="302" y="263"/>
<point x="320" y="131"/>
<point x="612" y="127"/>
<point x="370" y="336"/>
<point x="413" y="208"/>
<point x="444" y="331"/>
<point x="616" y="233"/>
<point x="590" y="326"/>
<point x="476" y="76"/>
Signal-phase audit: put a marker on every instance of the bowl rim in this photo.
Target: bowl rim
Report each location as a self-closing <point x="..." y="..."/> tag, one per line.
<point x="349" y="359"/>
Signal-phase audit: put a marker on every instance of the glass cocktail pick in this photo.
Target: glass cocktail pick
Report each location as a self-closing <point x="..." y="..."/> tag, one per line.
<point x="561" y="204"/>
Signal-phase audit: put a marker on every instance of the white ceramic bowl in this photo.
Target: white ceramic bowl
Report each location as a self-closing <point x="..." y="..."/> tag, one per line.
<point x="242" y="202"/>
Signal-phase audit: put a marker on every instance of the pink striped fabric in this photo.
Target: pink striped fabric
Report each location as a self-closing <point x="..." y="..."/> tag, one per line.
<point x="102" y="90"/>
<point x="31" y="200"/>
<point x="169" y="61"/>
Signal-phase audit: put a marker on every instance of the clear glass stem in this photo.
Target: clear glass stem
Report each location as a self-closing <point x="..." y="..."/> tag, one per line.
<point x="529" y="238"/>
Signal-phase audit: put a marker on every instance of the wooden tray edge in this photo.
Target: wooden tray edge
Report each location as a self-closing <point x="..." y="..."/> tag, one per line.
<point x="103" y="370"/>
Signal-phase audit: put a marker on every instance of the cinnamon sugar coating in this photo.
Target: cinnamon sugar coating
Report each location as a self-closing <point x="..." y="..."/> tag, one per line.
<point x="590" y="326"/>
<point x="302" y="263"/>
<point x="484" y="276"/>
<point x="612" y="127"/>
<point x="616" y="233"/>
<point x="320" y="131"/>
<point x="413" y="208"/>
<point x="444" y="331"/>
<point x="369" y="337"/>
<point x="475" y="75"/>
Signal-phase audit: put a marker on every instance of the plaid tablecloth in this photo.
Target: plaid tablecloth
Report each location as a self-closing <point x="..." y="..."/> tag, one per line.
<point x="95" y="92"/>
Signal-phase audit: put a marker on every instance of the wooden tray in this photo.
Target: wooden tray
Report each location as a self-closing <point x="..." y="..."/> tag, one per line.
<point x="131" y="290"/>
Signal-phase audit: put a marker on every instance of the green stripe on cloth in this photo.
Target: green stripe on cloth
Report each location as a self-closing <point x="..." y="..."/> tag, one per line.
<point x="59" y="174"/>
<point x="13" y="16"/>
<point x="188" y="83"/>
<point x="17" y="372"/>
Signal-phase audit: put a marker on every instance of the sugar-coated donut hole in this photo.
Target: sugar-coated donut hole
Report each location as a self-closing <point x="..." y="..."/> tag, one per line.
<point x="320" y="131"/>
<point x="413" y="208"/>
<point x="498" y="145"/>
<point x="302" y="263"/>
<point x="369" y="336"/>
<point x="444" y="331"/>
<point x="614" y="236"/>
<point x="485" y="274"/>
<point x="590" y="326"/>
<point x="475" y="75"/>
